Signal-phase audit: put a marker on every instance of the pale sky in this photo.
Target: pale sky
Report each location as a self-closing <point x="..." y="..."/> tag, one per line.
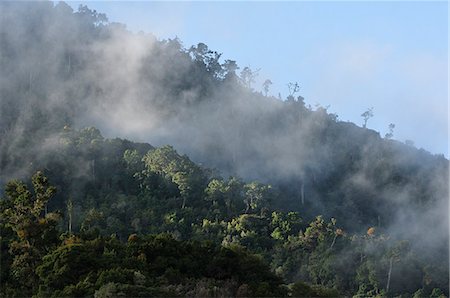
<point x="392" y="56"/>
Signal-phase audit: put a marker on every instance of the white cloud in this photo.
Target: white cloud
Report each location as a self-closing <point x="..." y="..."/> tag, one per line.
<point x="361" y="59"/>
<point x="406" y="88"/>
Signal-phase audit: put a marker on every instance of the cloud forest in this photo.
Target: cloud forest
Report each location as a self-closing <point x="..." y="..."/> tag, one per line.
<point x="139" y="167"/>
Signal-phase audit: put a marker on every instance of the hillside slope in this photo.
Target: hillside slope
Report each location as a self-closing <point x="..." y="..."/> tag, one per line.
<point x="64" y="70"/>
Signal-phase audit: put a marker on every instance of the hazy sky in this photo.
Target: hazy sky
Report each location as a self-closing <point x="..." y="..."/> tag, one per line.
<point x="392" y="56"/>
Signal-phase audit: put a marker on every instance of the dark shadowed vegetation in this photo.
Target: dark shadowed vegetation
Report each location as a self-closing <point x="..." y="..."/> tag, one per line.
<point x="261" y="197"/>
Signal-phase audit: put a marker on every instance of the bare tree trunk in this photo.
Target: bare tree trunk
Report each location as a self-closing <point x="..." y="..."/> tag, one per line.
<point x="389" y="274"/>
<point x="69" y="211"/>
<point x="302" y="193"/>
<point x="184" y="203"/>
<point x="70" y="223"/>
<point x="334" y="241"/>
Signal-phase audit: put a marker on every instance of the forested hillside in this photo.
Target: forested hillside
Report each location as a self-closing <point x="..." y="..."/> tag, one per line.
<point x="229" y="192"/>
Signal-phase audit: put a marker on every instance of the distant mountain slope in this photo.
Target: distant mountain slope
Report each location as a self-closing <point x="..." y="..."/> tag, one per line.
<point x="63" y="70"/>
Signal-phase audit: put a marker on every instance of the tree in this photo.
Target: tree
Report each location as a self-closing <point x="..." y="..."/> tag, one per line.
<point x="266" y="86"/>
<point x="230" y="67"/>
<point x="227" y="194"/>
<point x="248" y="76"/>
<point x="25" y="212"/>
<point x="91" y="16"/>
<point x="215" y="193"/>
<point x="293" y="88"/>
<point x="68" y="263"/>
<point x="367" y="115"/>
<point x="70" y="215"/>
<point x="284" y="225"/>
<point x="394" y="255"/>
<point x="133" y="161"/>
<point x="390" y="134"/>
<point x="92" y="219"/>
<point x="209" y="59"/>
<point x="89" y="141"/>
<point x="256" y="196"/>
<point x="179" y="170"/>
<point x="36" y="232"/>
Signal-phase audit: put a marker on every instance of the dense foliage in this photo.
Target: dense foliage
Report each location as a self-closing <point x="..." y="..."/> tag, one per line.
<point x="312" y="206"/>
<point x="179" y="229"/>
<point x="39" y="260"/>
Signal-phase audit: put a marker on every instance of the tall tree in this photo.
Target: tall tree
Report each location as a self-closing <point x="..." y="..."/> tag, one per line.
<point x="36" y="232"/>
<point x="367" y="115"/>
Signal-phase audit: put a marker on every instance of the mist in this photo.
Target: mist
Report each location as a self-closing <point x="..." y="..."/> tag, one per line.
<point x="59" y="72"/>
